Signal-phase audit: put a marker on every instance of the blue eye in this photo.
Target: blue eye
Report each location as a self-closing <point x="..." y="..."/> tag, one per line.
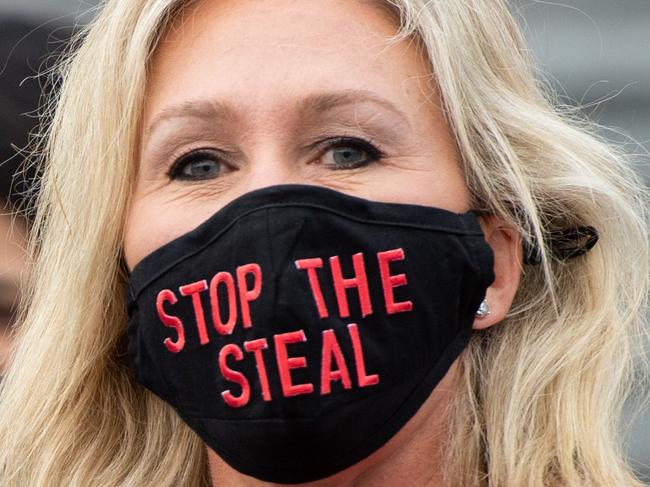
<point x="196" y="166"/>
<point x="348" y="153"/>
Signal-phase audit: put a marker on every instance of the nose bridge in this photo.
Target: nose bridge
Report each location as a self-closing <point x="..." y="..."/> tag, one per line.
<point x="269" y="165"/>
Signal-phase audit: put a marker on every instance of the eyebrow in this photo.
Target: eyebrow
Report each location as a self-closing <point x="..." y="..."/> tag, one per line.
<point x="310" y="106"/>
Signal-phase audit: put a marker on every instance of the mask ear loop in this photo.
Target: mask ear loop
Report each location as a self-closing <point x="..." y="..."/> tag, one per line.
<point x="564" y="244"/>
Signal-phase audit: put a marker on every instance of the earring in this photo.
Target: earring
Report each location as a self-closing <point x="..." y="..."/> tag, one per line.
<point x="483" y="310"/>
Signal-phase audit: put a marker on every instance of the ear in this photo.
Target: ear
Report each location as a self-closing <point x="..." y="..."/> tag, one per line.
<point x="506" y="243"/>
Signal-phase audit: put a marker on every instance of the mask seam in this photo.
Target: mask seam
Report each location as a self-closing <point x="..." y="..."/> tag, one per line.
<point x="270" y="240"/>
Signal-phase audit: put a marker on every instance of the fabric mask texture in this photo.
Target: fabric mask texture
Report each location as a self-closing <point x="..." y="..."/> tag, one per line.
<point x="299" y="328"/>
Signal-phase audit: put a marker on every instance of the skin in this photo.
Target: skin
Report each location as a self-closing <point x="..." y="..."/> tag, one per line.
<point x="13" y="261"/>
<point x="297" y="49"/>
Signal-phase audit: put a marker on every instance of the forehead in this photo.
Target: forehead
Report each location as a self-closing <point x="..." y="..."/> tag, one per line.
<point x="263" y="55"/>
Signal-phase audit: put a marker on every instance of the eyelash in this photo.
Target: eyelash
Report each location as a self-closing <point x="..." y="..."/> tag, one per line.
<point x="366" y="145"/>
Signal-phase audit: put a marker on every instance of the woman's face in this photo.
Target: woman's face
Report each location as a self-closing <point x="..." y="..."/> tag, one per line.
<point x="245" y="94"/>
<point x="248" y="94"/>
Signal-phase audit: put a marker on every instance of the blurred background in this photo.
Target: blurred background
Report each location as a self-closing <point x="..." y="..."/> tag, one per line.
<point x="596" y="54"/>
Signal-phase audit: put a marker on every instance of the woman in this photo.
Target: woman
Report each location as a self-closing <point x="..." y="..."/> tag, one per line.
<point x="300" y="313"/>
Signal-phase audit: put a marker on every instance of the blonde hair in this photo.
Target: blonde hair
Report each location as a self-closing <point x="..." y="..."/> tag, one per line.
<point x="542" y="392"/>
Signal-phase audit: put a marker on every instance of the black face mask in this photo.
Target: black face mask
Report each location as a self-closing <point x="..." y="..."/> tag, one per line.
<point x="299" y="328"/>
